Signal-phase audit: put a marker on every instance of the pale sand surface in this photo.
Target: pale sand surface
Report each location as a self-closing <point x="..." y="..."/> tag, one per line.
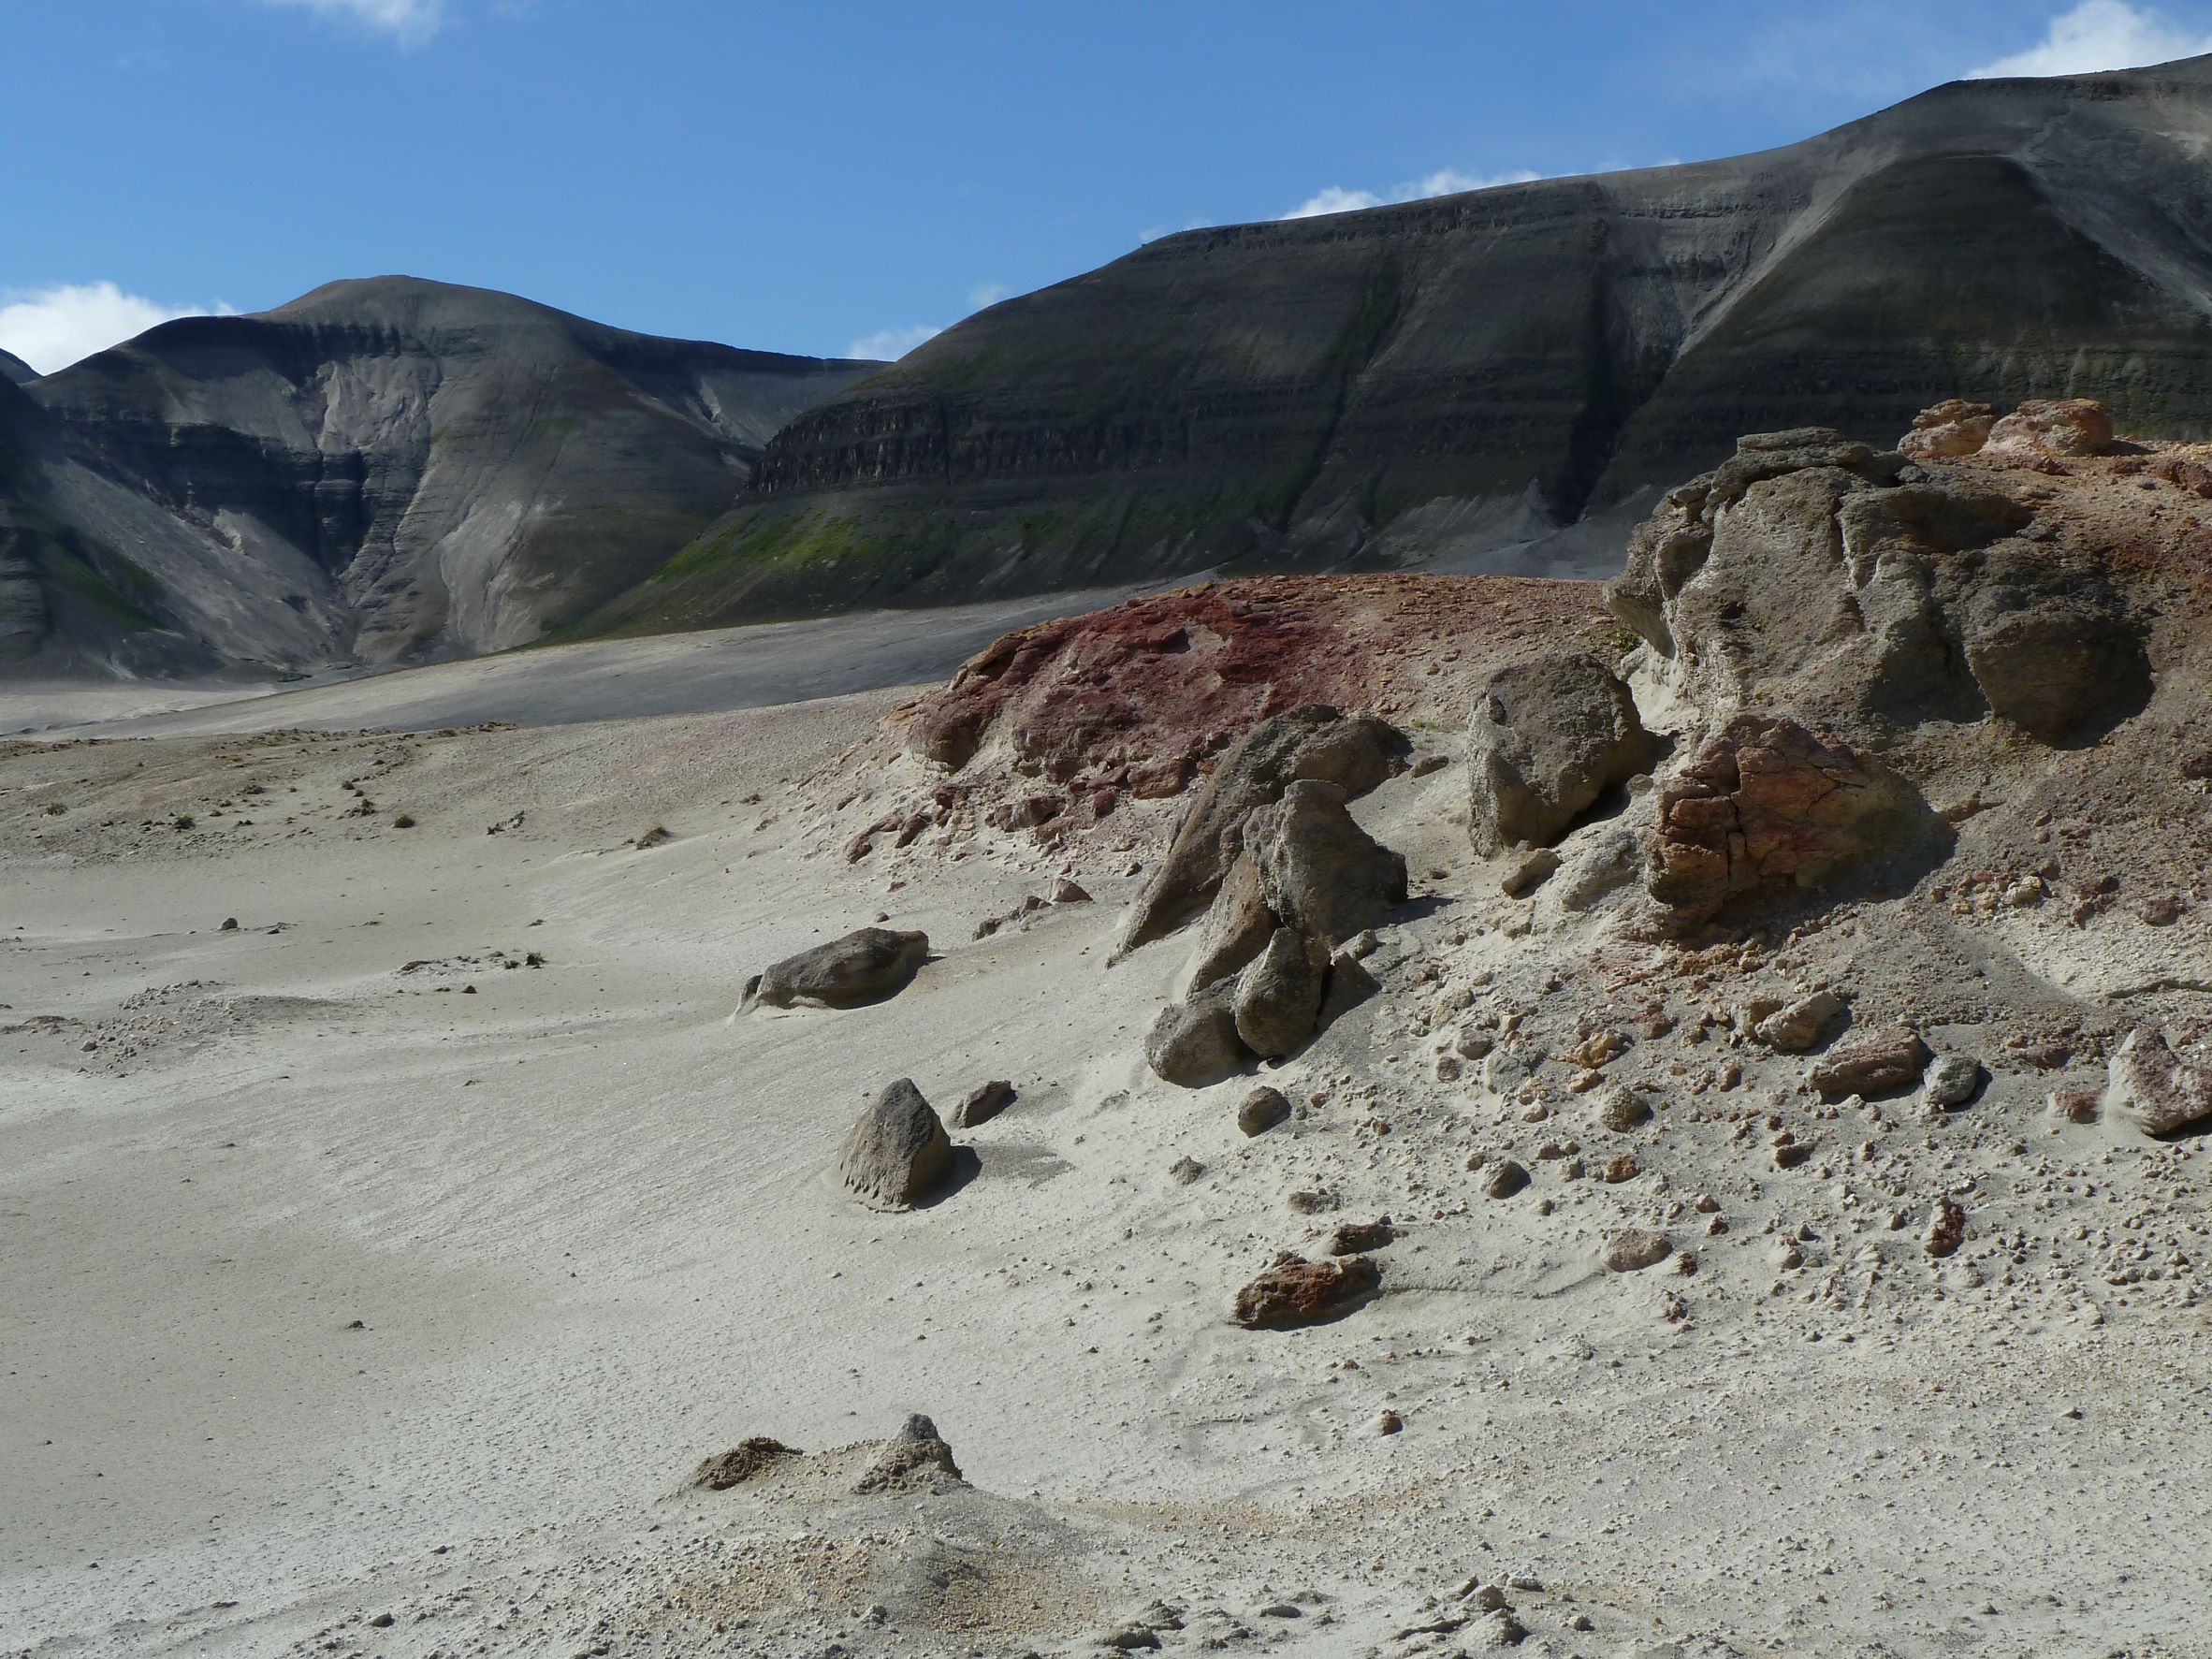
<point x="750" y="667"/>
<point x="587" y="1221"/>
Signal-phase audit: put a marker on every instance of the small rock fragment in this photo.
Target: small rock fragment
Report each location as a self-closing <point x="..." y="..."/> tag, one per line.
<point x="1504" y="1179"/>
<point x="1388" y="1423"/>
<point x="1946" y="1229"/>
<point x="1262" y="1109"/>
<point x="1495" y="1631"/>
<point x="1950" y="1081"/>
<point x="1880" y="1063"/>
<point x="983" y="1104"/>
<point x="1636" y="1249"/>
<point x="1352" y="1238"/>
<point x="1801" y="1026"/>
<point x="1293" y="1291"/>
<point x="1621" y="1108"/>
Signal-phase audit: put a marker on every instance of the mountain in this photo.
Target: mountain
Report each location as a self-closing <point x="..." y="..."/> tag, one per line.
<point x="382" y="471"/>
<point x="1456" y="381"/>
<point x="14" y="369"/>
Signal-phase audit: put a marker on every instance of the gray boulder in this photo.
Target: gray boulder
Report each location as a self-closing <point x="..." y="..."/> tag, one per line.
<point x="1548" y="739"/>
<point x="1353" y="752"/>
<point x="1278" y="996"/>
<point x="1262" y="1109"/>
<point x="1319" y="872"/>
<point x="866" y="966"/>
<point x="1950" y="1081"/>
<point x="1195" y="1042"/>
<point x="897" y="1153"/>
<point x="1237" y="926"/>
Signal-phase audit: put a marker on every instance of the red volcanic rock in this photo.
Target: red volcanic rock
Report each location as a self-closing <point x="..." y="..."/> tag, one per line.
<point x="1767" y="805"/>
<point x="1295" y="1291"/>
<point x="1160" y="684"/>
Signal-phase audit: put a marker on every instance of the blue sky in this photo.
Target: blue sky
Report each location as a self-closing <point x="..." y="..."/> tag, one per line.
<point x="826" y="176"/>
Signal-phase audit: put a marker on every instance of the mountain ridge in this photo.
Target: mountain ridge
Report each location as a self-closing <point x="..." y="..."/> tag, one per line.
<point x="384" y="470"/>
<point x="1456" y="381"/>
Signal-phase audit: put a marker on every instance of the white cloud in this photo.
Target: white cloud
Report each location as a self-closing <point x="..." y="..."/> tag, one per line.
<point x="2101" y="35"/>
<point x="1444" y="182"/>
<point x="51" y="329"/>
<point x="987" y="294"/>
<point x="889" y="344"/>
<point x="409" y="21"/>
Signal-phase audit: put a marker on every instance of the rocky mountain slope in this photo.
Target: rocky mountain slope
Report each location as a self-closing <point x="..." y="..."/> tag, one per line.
<point x="1454" y="379"/>
<point x="14" y="368"/>
<point x="381" y="471"/>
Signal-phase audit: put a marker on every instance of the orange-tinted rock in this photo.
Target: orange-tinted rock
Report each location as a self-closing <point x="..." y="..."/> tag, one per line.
<point x="1764" y="806"/>
<point x="1949" y="430"/>
<point x="2064" y="426"/>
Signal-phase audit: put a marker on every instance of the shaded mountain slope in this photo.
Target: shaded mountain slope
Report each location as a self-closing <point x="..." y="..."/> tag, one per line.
<point x="1444" y="380"/>
<point x="14" y="369"/>
<point x="384" y="470"/>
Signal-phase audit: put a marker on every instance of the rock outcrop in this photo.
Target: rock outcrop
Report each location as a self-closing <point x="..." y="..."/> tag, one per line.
<point x="740" y="1463"/>
<point x="1815" y="578"/>
<point x="1314" y="744"/>
<point x="898" y="1153"/>
<point x="866" y="966"/>
<point x="1549" y="738"/>
<point x="2052" y="427"/>
<point x="1307" y="879"/>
